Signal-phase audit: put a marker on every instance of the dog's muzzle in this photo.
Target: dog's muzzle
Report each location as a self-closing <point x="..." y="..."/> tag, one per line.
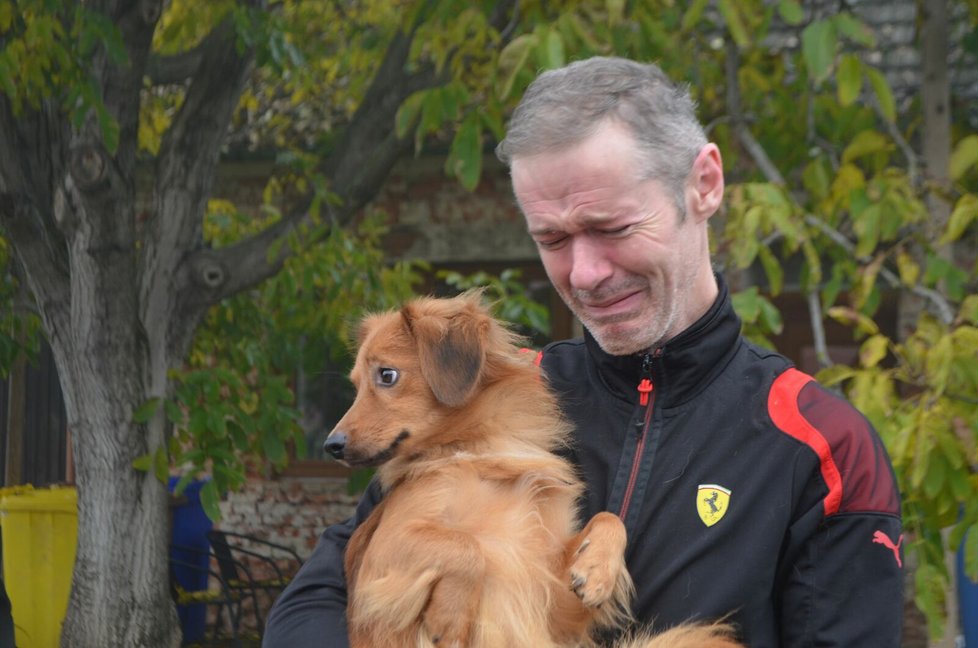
<point x="335" y="444"/>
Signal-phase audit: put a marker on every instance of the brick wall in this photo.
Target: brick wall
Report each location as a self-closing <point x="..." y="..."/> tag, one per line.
<point x="289" y="511"/>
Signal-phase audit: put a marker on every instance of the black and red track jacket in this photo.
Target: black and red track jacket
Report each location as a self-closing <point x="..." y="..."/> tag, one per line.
<point x="747" y="490"/>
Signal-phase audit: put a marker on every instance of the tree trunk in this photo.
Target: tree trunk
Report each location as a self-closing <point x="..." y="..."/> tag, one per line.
<point x="935" y="93"/>
<point x="120" y="592"/>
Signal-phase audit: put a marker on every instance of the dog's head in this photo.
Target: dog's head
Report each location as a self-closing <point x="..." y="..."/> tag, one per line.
<point x="414" y="369"/>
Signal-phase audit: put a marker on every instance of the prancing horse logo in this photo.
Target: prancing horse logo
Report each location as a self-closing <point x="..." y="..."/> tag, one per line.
<point x="712" y="502"/>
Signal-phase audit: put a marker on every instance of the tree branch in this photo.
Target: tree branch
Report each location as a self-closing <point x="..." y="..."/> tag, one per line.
<point x="941" y="305"/>
<point x="34" y="149"/>
<point x="817" y="320"/>
<point x="177" y="68"/>
<point x="773" y="175"/>
<point x="186" y="168"/>
<point x="356" y="168"/>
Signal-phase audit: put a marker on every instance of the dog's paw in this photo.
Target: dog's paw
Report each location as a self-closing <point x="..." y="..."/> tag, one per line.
<point x="596" y="569"/>
<point x="595" y="572"/>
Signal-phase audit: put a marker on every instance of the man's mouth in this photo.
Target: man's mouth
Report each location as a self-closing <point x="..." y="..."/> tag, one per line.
<point x="609" y="307"/>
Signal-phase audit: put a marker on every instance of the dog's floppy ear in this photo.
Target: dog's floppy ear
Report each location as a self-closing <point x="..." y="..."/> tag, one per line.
<point x="451" y="349"/>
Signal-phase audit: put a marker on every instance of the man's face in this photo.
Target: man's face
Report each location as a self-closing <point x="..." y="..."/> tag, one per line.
<point x="614" y="245"/>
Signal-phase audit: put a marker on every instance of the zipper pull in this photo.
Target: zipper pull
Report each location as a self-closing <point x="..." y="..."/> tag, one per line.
<point x="645" y="385"/>
<point x="644" y="389"/>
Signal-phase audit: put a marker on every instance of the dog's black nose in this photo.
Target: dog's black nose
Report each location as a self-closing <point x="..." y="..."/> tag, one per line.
<point x="335" y="444"/>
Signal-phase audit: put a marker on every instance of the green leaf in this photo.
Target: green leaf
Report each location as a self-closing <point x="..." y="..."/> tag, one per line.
<point x="849" y="79"/>
<point x="143" y="462"/>
<point x="735" y="23"/>
<point x="963" y="157"/>
<point x="210" y="500"/>
<point x="971" y="553"/>
<point x="173" y="412"/>
<point x="693" y="14"/>
<point x="512" y="61"/>
<point x="273" y="447"/>
<point x="791" y="12"/>
<point x="816" y="178"/>
<point x="772" y="268"/>
<point x="407" y="114"/>
<point x="818" y="43"/>
<point x="884" y="95"/>
<point x="771" y="316"/>
<point x="835" y="374"/>
<point x="965" y="212"/>
<point x="146" y="411"/>
<point x="555" y="56"/>
<point x="747" y="304"/>
<point x="854" y="29"/>
<point x="616" y="11"/>
<point x="867" y="227"/>
<point x="161" y="466"/>
<point x="465" y="156"/>
<point x="6" y="15"/>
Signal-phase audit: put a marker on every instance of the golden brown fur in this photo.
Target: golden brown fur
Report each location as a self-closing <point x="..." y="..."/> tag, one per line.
<point x="475" y="544"/>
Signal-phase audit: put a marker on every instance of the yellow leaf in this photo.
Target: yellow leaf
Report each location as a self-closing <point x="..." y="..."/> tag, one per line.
<point x="873" y="350"/>
<point x="866" y="142"/>
<point x="909" y="269"/>
<point x="964" y="156"/>
<point x="965" y="211"/>
<point x="849" y="79"/>
<point x="852" y="317"/>
<point x="735" y="22"/>
<point x="884" y="95"/>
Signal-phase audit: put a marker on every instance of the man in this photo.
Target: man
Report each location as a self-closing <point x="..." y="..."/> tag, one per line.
<point x="748" y="491"/>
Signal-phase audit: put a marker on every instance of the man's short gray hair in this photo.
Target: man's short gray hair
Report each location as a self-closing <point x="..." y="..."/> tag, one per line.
<point x="565" y="106"/>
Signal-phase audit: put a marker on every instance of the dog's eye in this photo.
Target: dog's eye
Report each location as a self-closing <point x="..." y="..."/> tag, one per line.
<point x="387" y="376"/>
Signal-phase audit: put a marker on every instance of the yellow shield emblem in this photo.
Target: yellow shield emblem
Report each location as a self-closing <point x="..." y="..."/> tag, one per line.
<point x="712" y="502"/>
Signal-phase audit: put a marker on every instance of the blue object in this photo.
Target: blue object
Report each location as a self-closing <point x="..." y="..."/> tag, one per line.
<point x="189" y="545"/>
<point x="967" y="602"/>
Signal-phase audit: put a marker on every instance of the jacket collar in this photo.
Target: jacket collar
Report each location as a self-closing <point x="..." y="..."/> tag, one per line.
<point x="682" y="366"/>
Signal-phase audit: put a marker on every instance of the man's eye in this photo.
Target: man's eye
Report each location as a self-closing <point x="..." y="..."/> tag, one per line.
<point x="387" y="376"/>
<point x="617" y="231"/>
<point x="551" y="243"/>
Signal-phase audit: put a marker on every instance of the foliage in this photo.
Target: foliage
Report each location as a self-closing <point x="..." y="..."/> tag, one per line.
<point x="510" y="299"/>
<point x="234" y="401"/>
<point x="828" y="198"/>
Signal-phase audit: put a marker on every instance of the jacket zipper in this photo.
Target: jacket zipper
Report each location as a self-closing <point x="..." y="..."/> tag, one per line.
<point x="646" y="399"/>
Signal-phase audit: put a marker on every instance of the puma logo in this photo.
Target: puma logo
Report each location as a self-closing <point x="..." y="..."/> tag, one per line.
<point x="881" y="538"/>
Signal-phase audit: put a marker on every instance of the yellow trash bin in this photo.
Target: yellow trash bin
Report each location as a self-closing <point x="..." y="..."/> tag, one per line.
<point x="40" y="534"/>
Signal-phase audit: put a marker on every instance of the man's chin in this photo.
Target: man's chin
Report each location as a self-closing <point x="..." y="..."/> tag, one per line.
<point x="617" y="338"/>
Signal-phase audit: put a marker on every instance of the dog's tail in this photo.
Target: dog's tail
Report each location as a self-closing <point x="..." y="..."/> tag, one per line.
<point x="717" y="635"/>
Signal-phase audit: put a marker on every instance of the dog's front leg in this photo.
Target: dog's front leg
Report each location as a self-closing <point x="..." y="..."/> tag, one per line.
<point x="453" y="607"/>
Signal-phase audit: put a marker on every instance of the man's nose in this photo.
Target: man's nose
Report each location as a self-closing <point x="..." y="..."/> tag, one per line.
<point x="590" y="265"/>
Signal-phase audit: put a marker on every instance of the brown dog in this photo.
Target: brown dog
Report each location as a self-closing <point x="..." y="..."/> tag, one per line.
<point x="475" y="544"/>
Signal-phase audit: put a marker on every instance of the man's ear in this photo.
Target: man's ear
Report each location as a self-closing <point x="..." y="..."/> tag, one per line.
<point x="451" y="350"/>
<point x="704" y="188"/>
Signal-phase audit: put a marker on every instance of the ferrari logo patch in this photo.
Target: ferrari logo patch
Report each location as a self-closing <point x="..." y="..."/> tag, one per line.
<point x="712" y="502"/>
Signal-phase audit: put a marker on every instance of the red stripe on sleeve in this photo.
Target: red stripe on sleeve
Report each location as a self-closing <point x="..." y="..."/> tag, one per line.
<point x="782" y="406"/>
